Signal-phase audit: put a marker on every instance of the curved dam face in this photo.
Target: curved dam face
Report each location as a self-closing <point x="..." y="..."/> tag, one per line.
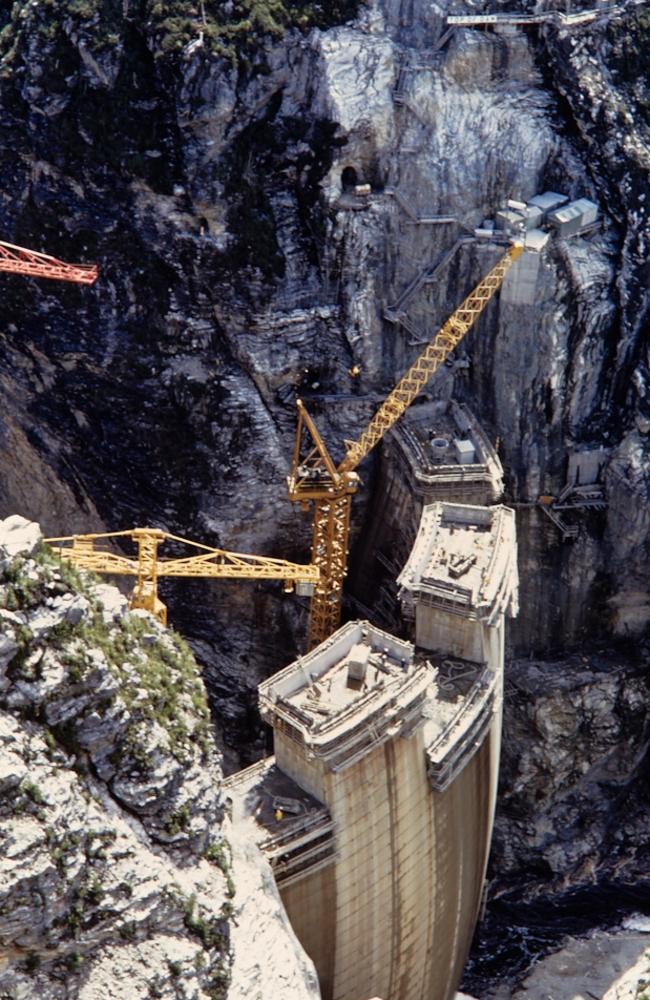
<point x="376" y="811"/>
<point x="393" y="916"/>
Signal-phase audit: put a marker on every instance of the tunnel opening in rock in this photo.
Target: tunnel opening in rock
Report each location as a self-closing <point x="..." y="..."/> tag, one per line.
<point x="349" y="178"/>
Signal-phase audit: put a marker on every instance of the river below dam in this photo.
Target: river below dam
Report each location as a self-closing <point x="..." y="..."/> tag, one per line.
<point x="516" y="934"/>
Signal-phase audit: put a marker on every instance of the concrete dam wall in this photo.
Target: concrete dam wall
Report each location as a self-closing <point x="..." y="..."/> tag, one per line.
<point x="400" y="900"/>
<point x="376" y="810"/>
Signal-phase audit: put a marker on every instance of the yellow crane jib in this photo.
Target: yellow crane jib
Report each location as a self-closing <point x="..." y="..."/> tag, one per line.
<point x="315" y="478"/>
<point x="433" y="356"/>
<point x="90" y="552"/>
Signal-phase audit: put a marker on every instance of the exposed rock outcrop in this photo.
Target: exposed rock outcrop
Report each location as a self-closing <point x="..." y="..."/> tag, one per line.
<point x="268" y="960"/>
<point x="573" y="771"/>
<point x="610" y="965"/>
<point x="116" y="875"/>
<point x="570" y="847"/>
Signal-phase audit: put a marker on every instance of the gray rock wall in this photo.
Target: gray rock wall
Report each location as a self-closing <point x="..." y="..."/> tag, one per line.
<point x="175" y="375"/>
<point x="573" y="771"/>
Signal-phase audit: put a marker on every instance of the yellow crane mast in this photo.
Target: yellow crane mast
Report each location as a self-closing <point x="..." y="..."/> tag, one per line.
<point x="314" y="477"/>
<point x="88" y="552"/>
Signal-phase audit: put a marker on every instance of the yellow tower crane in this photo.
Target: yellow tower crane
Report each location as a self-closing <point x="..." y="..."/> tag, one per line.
<point x="314" y="477"/>
<point x="88" y="552"/>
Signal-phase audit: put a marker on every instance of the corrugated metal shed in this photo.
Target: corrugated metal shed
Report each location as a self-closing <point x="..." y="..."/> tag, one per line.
<point x="509" y="221"/>
<point x="465" y="451"/>
<point x="533" y="216"/>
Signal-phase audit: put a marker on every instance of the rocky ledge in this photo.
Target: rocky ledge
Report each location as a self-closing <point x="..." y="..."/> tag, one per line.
<point x="116" y="877"/>
<point x="611" y="965"/>
<point x="571" y="813"/>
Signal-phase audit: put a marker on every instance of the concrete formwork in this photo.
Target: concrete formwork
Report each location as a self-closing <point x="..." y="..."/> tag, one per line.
<point x="407" y="879"/>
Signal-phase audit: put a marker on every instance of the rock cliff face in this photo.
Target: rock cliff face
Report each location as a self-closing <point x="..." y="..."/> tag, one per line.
<point x="117" y="876"/>
<point x="577" y="738"/>
<point x="231" y="280"/>
<point x="235" y="277"/>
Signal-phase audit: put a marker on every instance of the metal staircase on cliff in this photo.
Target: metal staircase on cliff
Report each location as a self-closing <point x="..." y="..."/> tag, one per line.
<point x="394" y="313"/>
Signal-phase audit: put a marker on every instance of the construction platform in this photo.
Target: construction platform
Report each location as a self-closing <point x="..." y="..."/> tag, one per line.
<point x="438" y="452"/>
<point x="447" y="454"/>
<point x="463" y="562"/>
<point x="293" y="829"/>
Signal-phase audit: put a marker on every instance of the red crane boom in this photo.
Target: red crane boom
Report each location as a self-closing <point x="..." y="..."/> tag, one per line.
<point x="18" y="260"/>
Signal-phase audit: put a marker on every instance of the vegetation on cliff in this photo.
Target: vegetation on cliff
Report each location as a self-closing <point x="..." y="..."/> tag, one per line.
<point x="230" y="29"/>
<point x="156" y="674"/>
<point x="110" y="805"/>
<point x="239" y="26"/>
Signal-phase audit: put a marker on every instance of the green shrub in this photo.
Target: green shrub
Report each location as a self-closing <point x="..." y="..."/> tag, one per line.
<point x="33" y="792"/>
<point x="219" y="854"/>
<point x="231" y="34"/>
<point x="178" y="821"/>
<point x="74" y="961"/>
<point x="217" y="988"/>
